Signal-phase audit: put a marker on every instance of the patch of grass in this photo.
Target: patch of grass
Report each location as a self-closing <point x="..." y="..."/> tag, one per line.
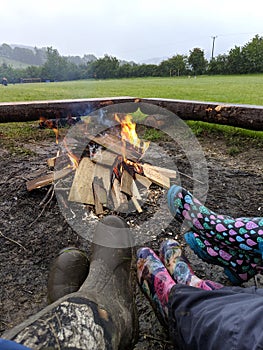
<point x="15" y="136"/>
<point x="24" y="131"/>
<point x="232" y="151"/>
<point x="236" y="138"/>
<point x="151" y="134"/>
<point x="138" y="116"/>
<point x="241" y="89"/>
<point x="19" y="150"/>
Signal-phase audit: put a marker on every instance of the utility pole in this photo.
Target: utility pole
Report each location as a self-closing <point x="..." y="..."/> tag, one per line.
<point x="213" y="46"/>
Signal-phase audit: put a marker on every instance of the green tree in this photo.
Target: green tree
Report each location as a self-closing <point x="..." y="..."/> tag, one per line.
<point x="104" y="68"/>
<point x="32" y="72"/>
<point x="197" y="61"/>
<point x="177" y="65"/>
<point x="55" y="67"/>
<point x="125" y="70"/>
<point x="40" y="56"/>
<point x="7" y="71"/>
<point x="145" y="70"/>
<point x="235" y="61"/>
<point x="252" y="54"/>
<point x="218" y="65"/>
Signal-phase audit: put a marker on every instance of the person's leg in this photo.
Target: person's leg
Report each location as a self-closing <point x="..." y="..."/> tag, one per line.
<point x="221" y="235"/>
<point x="226" y="318"/>
<point x="155" y="282"/>
<point x="101" y="315"/>
<point x="238" y="266"/>
<point x="219" y="318"/>
<point x="157" y="277"/>
<point x="179" y="267"/>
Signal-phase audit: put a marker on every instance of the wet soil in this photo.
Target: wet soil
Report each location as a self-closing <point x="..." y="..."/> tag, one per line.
<point x="31" y="235"/>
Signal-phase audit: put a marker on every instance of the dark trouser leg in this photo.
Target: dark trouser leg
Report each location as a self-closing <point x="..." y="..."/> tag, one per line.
<point x="227" y="318"/>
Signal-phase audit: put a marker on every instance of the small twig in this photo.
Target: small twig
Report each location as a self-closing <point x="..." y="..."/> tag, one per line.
<point x="46" y="196"/>
<point x="62" y="188"/>
<point x="27" y="291"/>
<point x="11" y="240"/>
<point x="44" y="207"/>
<point x="157" y="339"/>
<point x="55" y="335"/>
<point x="190" y="177"/>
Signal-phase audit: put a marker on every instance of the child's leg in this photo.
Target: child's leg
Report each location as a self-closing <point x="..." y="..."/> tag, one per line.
<point x="157" y="280"/>
<point x="179" y="267"/>
<point x="241" y="233"/>
<point x="238" y="266"/>
<point x="236" y="244"/>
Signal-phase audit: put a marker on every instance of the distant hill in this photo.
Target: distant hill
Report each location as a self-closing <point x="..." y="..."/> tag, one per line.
<point x="23" y="55"/>
<point x="154" y="60"/>
<point x="81" y="60"/>
<point x="13" y="63"/>
<point x="22" y="46"/>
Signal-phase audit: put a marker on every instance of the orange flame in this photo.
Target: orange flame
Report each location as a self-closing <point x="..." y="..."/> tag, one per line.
<point x="72" y="157"/>
<point x="50" y="125"/>
<point x="129" y="134"/>
<point x="128" y="130"/>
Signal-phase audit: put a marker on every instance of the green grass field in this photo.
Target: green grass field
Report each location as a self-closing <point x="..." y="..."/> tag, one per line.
<point x="240" y="89"/>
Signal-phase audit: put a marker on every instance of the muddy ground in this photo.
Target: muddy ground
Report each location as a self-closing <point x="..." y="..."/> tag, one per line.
<point x="30" y="237"/>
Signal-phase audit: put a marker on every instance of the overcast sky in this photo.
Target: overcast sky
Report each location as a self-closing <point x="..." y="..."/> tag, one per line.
<point x="130" y="29"/>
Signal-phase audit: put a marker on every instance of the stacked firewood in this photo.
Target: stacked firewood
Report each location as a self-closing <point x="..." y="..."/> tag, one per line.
<point x="112" y="175"/>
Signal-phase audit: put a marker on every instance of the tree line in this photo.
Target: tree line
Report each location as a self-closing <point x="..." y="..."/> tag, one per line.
<point x="34" y="56"/>
<point x="239" y="60"/>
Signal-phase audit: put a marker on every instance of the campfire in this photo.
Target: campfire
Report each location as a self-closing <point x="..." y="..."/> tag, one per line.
<point x="110" y="172"/>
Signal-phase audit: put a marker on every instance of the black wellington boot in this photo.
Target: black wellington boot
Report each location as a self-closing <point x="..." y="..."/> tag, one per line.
<point x="111" y="281"/>
<point x="67" y="273"/>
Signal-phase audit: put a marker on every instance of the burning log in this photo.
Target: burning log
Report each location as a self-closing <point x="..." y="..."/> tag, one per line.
<point x="114" y="144"/>
<point x="135" y="191"/>
<point x="95" y="183"/>
<point x="45" y="123"/>
<point x="101" y="193"/>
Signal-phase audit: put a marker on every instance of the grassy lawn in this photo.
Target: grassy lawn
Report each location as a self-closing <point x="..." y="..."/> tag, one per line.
<point x="245" y="89"/>
<point x="240" y="89"/>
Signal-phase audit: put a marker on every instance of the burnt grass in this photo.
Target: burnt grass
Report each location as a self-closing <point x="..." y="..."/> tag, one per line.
<point x="31" y="235"/>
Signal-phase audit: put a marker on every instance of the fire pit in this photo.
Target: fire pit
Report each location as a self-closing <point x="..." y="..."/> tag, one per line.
<point x="103" y="166"/>
<point x="31" y="237"/>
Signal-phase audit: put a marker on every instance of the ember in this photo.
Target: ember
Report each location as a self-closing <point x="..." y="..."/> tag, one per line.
<point x="49" y="124"/>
